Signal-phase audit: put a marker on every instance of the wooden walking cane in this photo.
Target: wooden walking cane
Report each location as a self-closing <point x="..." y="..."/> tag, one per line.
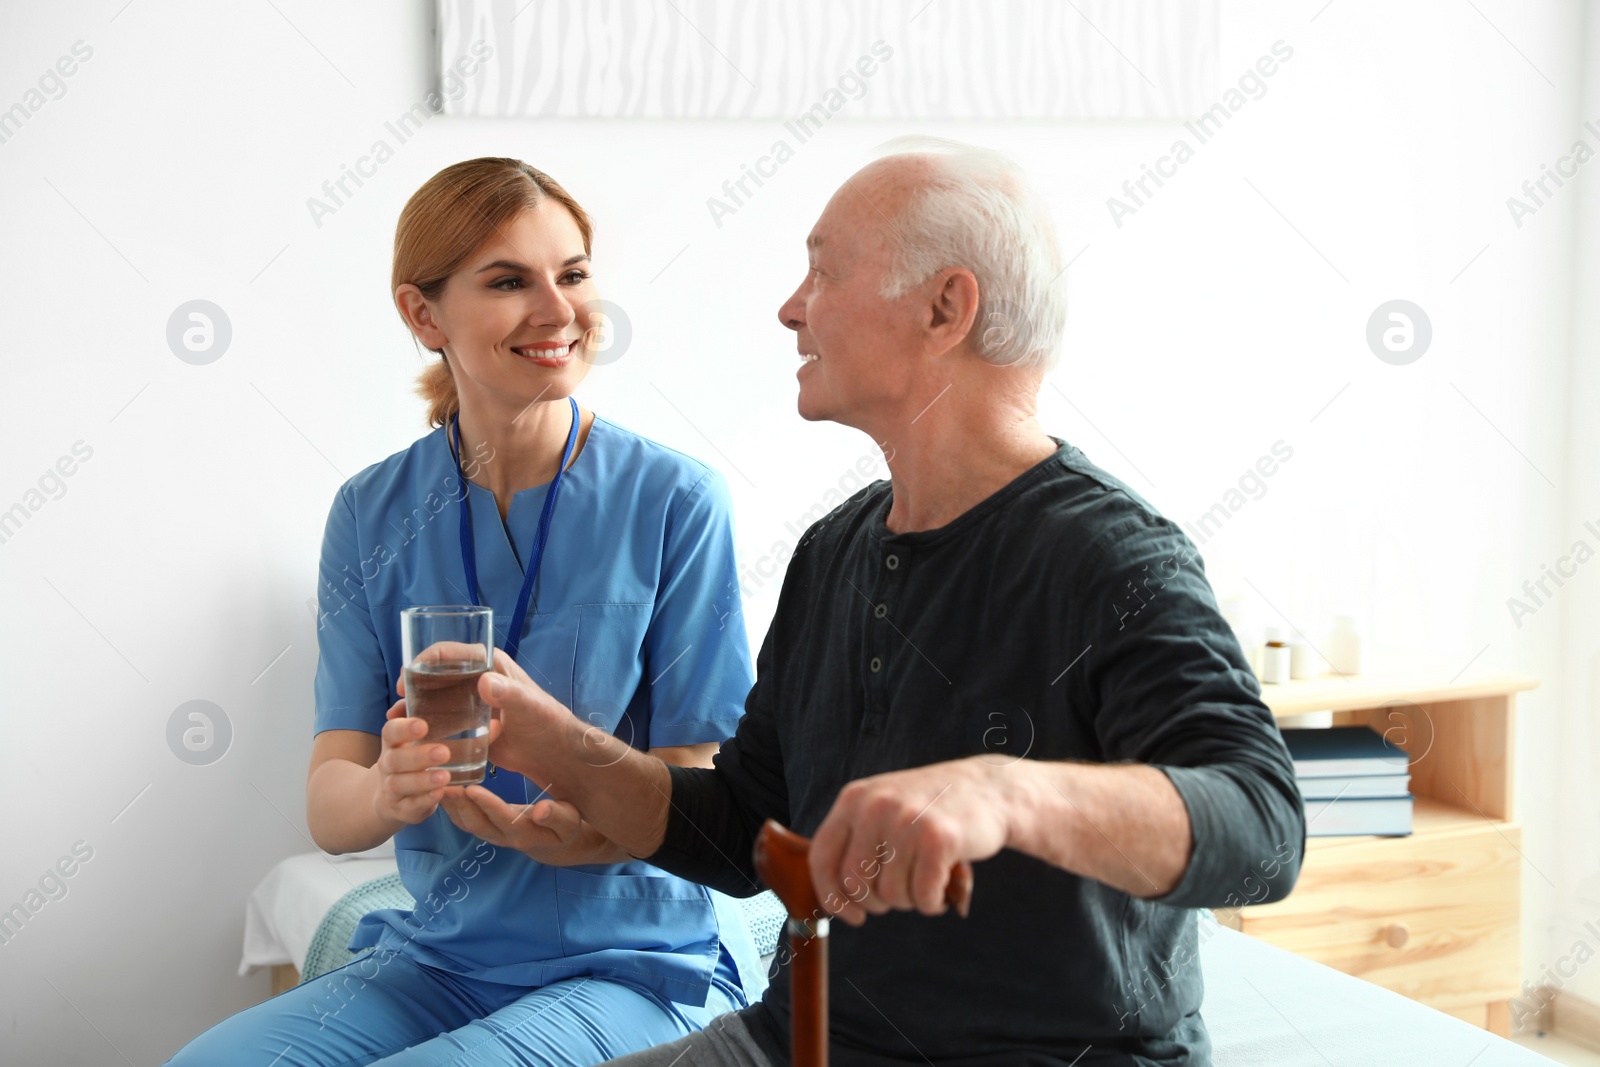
<point x="782" y="861"/>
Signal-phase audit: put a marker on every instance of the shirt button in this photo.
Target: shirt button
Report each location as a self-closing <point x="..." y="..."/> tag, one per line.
<point x="880" y="611"/>
<point x="892" y="562"/>
<point x="876" y="665"/>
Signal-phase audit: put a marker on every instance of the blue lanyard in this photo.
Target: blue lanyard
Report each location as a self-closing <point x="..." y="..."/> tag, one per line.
<point x="469" y="559"/>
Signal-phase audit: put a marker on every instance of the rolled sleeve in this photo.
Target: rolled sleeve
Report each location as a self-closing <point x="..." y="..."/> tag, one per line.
<point x="1170" y="687"/>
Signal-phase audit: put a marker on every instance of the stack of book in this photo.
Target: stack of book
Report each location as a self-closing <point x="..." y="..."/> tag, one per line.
<point x="1352" y="780"/>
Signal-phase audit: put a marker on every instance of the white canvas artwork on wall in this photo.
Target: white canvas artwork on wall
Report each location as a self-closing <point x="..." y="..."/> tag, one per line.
<point x="784" y="59"/>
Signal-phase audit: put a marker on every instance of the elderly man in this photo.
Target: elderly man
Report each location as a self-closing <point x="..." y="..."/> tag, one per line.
<point x="1002" y="655"/>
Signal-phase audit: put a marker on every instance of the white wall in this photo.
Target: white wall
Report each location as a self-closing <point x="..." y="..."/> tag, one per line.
<point x="1577" y="757"/>
<point x="178" y="563"/>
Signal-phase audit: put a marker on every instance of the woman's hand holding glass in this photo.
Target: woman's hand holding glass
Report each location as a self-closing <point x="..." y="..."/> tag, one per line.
<point x="409" y="783"/>
<point x="410" y="788"/>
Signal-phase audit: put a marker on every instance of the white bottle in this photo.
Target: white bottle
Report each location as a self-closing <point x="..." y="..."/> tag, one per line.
<point x="1302" y="660"/>
<point x="1275" y="657"/>
<point x="1344" y="646"/>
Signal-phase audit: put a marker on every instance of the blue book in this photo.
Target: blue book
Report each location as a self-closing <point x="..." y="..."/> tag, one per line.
<point x="1383" y="816"/>
<point x="1357" y="787"/>
<point x="1343" y="751"/>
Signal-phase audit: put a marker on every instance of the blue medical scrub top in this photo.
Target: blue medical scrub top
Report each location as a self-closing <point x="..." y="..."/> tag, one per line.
<point x="635" y="626"/>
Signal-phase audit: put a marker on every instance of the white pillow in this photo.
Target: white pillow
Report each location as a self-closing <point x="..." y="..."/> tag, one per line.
<point x="377" y="852"/>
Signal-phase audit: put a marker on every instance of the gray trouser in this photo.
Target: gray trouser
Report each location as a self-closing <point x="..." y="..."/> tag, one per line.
<point x="725" y="1042"/>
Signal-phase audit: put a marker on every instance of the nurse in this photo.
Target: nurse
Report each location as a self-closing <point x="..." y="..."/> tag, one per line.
<point x="608" y="561"/>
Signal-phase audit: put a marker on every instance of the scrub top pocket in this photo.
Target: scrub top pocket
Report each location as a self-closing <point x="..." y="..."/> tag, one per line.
<point x="546" y="652"/>
<point x="651" y="912"/>
<point x="608" y="668"/>
<point x="420" y="864"/>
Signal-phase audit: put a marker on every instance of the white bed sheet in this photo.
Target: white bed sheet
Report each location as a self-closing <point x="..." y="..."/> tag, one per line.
<point x="284" y="910"/>
<point x="1266" y="1007"/>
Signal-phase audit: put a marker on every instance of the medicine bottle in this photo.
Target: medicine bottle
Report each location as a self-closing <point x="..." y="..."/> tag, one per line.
<point x="1275" y="657"/>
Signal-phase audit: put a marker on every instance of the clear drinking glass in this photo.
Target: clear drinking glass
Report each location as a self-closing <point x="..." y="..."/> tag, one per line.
<point x="446" y="648"/>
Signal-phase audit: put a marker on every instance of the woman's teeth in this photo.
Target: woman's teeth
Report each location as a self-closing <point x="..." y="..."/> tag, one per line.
<point x="544" y="353"/>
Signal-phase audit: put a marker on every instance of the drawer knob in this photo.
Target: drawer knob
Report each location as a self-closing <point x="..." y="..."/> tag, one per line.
<point x="1395" y="935"/>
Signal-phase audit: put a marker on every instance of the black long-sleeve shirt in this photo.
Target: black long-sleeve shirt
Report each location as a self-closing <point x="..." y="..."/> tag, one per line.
<point x="1062" y="618"/>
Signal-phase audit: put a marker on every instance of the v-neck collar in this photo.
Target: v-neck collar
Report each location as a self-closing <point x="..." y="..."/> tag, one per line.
<point x="523" y="500"/>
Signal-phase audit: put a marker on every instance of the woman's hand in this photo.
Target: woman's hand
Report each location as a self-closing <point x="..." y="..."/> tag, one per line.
<point x="408" y="785"/>
<point x="548" y="830"/>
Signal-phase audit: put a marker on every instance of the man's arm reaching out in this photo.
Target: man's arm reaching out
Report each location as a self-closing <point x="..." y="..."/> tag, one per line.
<point x="620" y="791"/>
<point x="694" y="821"/>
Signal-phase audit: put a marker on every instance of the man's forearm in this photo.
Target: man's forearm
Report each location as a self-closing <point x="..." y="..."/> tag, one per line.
<point x="1121" y="824"/>
<point x="710" y="834"/>
<point x="625" y="794"/>
<point x="622" y="792"/>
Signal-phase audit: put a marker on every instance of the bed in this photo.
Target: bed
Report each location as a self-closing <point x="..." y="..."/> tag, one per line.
<point x="1265" y="1007"/>
<point x="288" y="907"/>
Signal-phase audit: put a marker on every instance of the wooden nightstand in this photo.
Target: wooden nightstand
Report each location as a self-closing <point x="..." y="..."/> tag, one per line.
<point x="1434" y="916"/>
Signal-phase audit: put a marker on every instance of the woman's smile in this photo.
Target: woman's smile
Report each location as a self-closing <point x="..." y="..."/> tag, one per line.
<point x="548" y="353"/>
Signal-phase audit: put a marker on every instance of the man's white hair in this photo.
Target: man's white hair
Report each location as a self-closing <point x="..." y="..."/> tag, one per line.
<point x="979" y="211"/>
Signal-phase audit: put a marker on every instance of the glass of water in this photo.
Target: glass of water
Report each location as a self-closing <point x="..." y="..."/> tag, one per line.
<point x="446" y="649"/>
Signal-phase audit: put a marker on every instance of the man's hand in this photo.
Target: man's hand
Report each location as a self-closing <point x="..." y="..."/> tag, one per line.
<point x="547" y="830"/>
<point x="531" y="722"/>
<point x="618" y="790"/>
<point x="892" y="840"/>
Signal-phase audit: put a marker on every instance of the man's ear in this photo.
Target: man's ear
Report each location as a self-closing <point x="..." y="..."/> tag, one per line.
<point x="952" y="308"/>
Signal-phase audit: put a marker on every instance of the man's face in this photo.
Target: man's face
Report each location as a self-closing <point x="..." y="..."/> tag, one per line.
<point x="863" y="344"/>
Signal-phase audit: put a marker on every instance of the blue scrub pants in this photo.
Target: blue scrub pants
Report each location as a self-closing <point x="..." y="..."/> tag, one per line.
<point x="401" y="1013"/>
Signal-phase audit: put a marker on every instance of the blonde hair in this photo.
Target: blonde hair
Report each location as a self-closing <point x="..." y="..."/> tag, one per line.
<point x="449" y="219"/>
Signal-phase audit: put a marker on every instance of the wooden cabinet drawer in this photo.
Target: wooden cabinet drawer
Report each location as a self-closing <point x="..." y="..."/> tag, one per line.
<point x="1434" y="916"/>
